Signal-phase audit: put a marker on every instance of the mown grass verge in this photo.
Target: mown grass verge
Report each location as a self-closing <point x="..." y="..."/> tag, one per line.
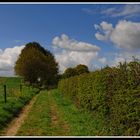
<point x="81" y="122"/>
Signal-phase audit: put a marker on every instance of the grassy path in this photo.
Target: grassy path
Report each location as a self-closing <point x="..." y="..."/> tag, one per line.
<point x="44" y="118"/>
<point x="53" y="115"/>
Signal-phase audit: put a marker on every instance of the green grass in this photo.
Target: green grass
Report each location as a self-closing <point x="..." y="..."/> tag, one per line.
<point x="16" y="99"/>
<point x="79" y="122"/>
<point x="38" y="122"/>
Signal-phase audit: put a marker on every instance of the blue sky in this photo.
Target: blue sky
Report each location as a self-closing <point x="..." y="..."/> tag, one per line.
<point x="23" y="23"/>
<point x="43" y="22"/>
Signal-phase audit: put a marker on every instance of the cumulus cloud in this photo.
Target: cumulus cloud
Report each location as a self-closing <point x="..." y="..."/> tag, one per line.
<point x="105" y="29"/>
<point x="124" y="56"/>
<point x="72" y="58"/>
<point x="124" y="35"/>
<point x="8" y="58"/>
<point x="113" y="58"/>
<point x="93" y="59"/>
<point x="65" y="42"/>
<point x="127" y="11"/>
<point x="69" y="52"/>
<point x="106" y="26"/>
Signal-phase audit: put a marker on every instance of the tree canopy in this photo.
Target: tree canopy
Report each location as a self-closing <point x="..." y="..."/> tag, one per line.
<point x="79" y="69"/>
<point x="37" y="65"/>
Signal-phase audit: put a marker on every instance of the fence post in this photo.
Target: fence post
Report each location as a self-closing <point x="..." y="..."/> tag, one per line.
<point x="5" y="93"/>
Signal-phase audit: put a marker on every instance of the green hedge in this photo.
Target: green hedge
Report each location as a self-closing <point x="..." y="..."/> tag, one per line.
<point x="112" y="94"/>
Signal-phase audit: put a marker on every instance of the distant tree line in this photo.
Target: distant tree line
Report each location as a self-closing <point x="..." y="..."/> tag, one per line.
<point x="79" y="69"/>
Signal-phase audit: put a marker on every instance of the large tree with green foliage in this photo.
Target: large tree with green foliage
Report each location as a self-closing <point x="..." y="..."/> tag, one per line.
<point x="37" y="65"/>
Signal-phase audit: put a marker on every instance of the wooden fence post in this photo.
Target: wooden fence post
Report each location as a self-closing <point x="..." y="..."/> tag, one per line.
<point x="5" y="94"/>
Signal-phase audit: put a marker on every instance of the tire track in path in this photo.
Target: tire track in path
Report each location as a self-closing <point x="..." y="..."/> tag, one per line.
<point x="55" y="118"/>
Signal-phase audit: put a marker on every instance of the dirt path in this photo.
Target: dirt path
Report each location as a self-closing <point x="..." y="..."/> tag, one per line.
<point x="13" y="127"/>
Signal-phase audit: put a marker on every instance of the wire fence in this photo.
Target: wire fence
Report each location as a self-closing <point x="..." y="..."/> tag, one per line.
<point x="7" y="92"/>
<point x="10" y="88"/>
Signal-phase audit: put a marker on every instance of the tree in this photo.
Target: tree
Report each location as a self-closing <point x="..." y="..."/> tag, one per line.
<point x="37" y="65"/>
<point x="80" y="69"/>
<point x="69" y="72"/>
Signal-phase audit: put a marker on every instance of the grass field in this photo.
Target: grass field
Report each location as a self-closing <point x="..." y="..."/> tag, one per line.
<point x="52" y="115"/>
<point x="17" y="97"/>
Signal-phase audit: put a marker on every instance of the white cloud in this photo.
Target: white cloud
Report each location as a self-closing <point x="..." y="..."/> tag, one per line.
<point x="96" y="26"/>
<point x="65" y="42"/>
<point x="69" y="58"/>
<point x="103" y="60"/>
<point x="105" y="28"/>
<point x="108" y="11"/>
<point x="100" y="36"/>
<point x="8" y="58"/>
<point x="124" y="56"/>
<point x="72" y="58"/>
<point x="127" y="11"/>
<point x="124" y="35"/>
<point x="89" y="11"/>
<point x="69" y="52"/>
<point x="113" y="58"/>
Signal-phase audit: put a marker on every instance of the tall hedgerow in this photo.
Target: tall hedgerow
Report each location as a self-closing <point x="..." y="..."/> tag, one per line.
<point x="112" y="94"/>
